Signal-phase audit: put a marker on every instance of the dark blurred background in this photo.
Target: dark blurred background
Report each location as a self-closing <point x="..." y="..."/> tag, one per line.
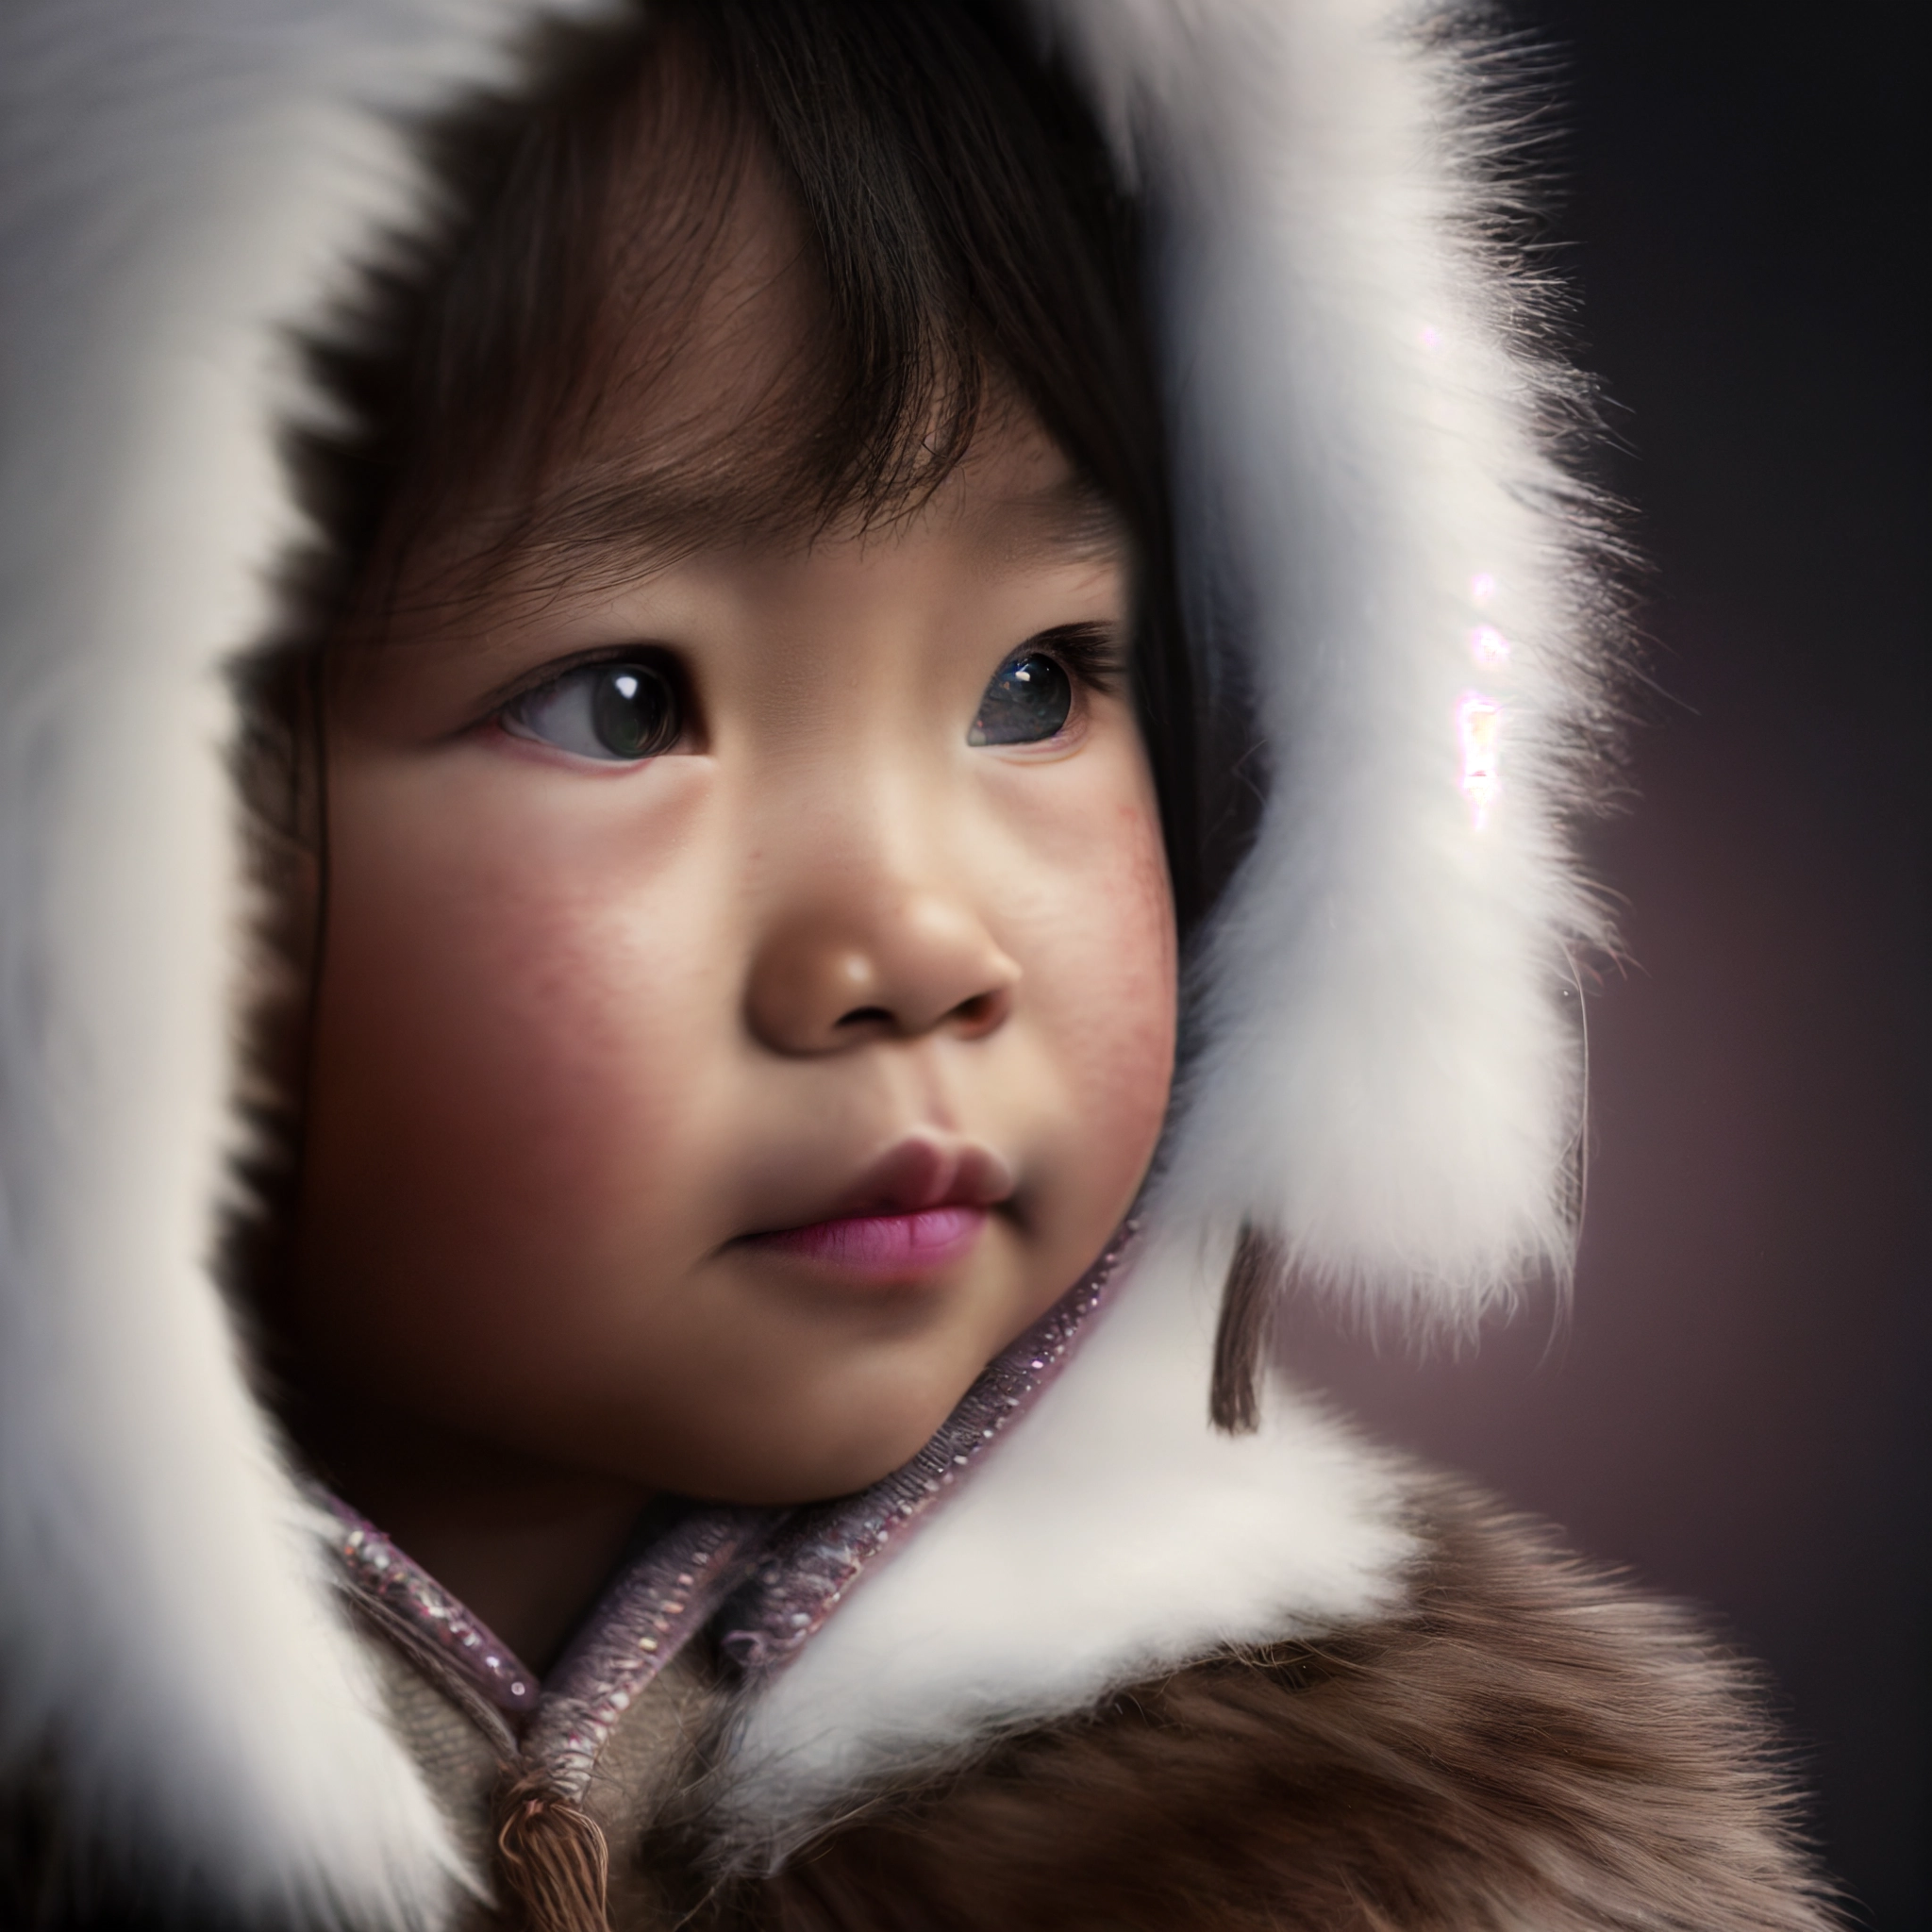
<point x="1741" y="1406"/>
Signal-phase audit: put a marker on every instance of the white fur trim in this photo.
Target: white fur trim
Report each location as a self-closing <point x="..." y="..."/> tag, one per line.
<point x="1390" y="1081"/>
<point x="1388" y="1084"/>
<point x="1112" y="1533"/>
<point x="179" y="180"/>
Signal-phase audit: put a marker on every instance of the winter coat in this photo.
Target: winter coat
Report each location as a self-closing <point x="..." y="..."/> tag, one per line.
<point x="1091" y="1661"/>
<point x="1510" y="1738"/>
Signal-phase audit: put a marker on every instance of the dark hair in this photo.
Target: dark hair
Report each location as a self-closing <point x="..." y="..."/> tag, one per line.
<point x="966" y="232"/>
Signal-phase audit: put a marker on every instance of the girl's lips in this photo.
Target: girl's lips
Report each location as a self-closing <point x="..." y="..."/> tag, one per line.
<point x="884" y="1247"/>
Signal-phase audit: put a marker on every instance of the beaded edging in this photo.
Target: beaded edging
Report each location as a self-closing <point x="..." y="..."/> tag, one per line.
<point x="652" y="1610"/>
<point x="805" y="1560"/>
<point x="819" y="1552"/>
<point x="396" y="1587"/>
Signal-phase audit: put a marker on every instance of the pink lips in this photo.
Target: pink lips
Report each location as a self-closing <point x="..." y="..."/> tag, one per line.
<point x="883" y="1246"/>
<point x="919" y="1207"/>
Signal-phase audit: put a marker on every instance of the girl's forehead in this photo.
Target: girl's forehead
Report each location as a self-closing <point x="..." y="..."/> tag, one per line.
<point x="1013" y="542"/>
<point x="716" y="368"/>
<point x="1015" y="501"/>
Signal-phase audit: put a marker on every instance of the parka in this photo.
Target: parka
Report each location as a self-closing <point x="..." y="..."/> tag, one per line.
<point x="1106" y="1655"/>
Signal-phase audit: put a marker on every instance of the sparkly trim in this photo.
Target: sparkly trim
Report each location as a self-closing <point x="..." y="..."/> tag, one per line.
<point x="660" y="1603"/>
<point x="397" y="1586"/>
<point x="818" y="1552"/>
<point x="805" y="1561"/>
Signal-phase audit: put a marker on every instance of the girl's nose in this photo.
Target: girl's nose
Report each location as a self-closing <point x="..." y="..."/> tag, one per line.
<point x="822" y="982"/>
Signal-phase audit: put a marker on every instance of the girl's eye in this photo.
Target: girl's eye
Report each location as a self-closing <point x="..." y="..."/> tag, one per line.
<point x="1029" y="700"/>
<point x="617" y="713"/>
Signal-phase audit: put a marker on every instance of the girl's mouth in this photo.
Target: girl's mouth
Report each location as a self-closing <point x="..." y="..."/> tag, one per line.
<point x="884" y="1247"/>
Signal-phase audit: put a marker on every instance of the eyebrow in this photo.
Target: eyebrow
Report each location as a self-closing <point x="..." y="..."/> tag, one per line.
<point x="623" y="527"/>
<point x="1071" y="521"/>
<point x="637" y="522"/>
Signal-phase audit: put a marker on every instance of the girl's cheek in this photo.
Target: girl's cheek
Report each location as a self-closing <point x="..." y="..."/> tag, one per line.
<point x="1136" y="1054"/>
<point x="516" y="1028"/>
<point x="537" y="1098"/>
<point x="1101" y="959"/>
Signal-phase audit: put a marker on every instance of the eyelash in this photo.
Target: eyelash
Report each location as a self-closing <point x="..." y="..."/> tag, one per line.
<point x="507" y="699"/>
<point x="1090" y="651"/>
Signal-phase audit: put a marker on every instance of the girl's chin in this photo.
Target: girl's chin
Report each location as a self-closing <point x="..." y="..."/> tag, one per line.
<point x="883" y="1250"/>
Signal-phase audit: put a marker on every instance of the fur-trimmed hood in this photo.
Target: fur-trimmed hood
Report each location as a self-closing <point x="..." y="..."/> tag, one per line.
<point x="1374" y="516"/>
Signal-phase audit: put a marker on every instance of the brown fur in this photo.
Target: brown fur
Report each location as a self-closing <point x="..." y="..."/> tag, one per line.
<point x="1535" y="1749"/>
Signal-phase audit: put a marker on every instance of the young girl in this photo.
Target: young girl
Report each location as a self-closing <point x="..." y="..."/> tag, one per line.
<point x="869" y="571"/>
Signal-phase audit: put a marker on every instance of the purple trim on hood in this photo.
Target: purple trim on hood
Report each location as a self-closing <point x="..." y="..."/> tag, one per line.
<point x="820" y="1551"/>
<point x="397" y="1587"/>
<point x="806" y="1560"/>
<point x="643" y="1620"/>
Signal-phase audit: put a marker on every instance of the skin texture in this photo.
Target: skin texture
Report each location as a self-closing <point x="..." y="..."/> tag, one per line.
<point x="583" y="1029"/>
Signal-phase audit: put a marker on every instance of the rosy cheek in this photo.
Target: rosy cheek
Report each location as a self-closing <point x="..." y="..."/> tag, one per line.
<point x="1134" y="1061"/>
<point x="537" y="1104"/>
<point x="510" y="1046"/>
<point x="1102" y="972"/>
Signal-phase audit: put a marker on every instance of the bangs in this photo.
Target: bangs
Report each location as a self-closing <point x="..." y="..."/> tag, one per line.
<point x="581" y="348"/>
<point x="964" y="227"/>
<point x="957" y="247"/>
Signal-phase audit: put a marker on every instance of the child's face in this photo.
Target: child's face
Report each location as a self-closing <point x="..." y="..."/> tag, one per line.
<point x="596" y="1030"/>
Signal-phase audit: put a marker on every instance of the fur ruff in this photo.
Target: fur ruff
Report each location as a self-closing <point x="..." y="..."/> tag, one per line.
<point x="1531" y="1745"/>
<point x="1389" y="1081"/>
<point x="179" y="181"/>
<point x="1110" y="1535"/>
<point x="1010" y="1616"/>
<point x="1369" y="495"/>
